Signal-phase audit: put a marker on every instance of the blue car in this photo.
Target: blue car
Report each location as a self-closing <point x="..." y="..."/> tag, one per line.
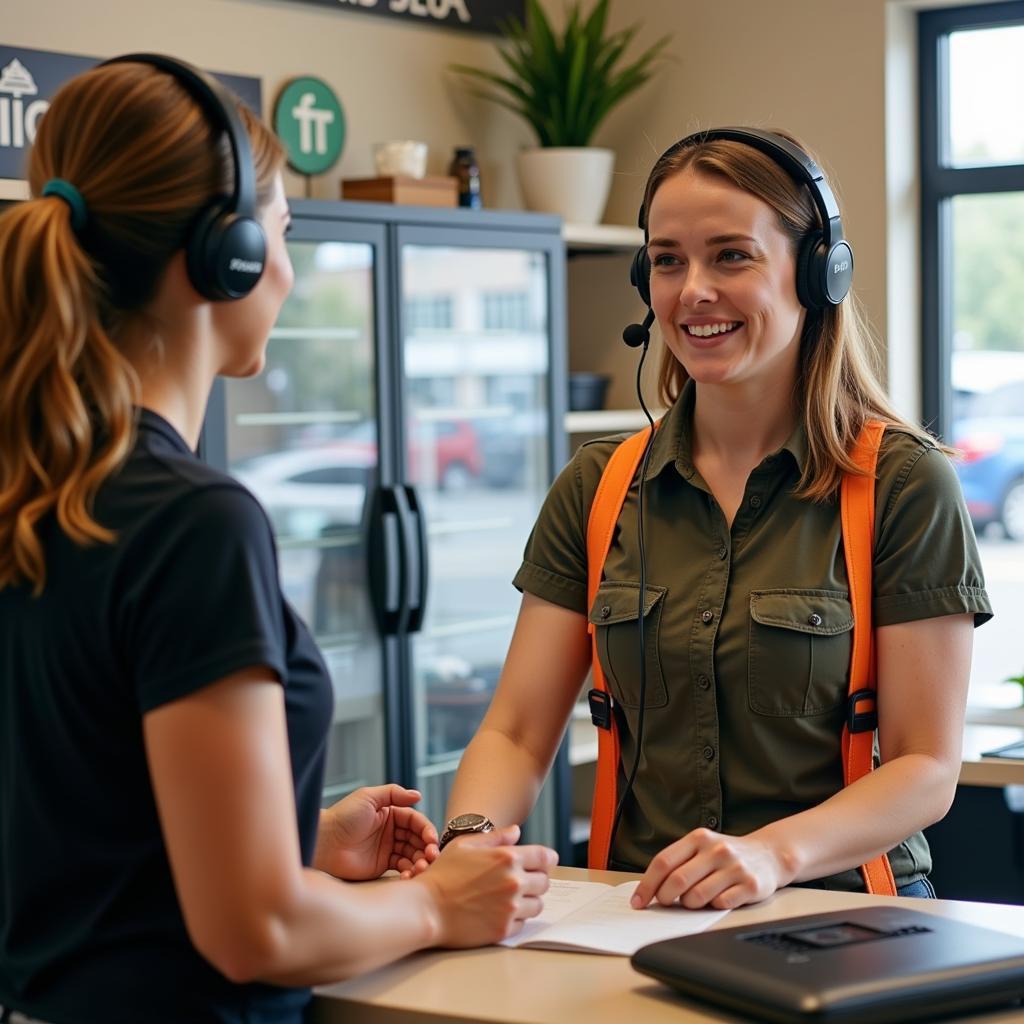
<point x="989" y="434"/>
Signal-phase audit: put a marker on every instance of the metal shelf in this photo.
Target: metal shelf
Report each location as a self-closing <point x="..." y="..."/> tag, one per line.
<point x="445" y="527"/>
<point x="601" y="236"/>
<point x="276" y="419"/>
<point x="452" y="629"/>
<point x="12" y="189"/>
<point x="607" y="421"/>
<point x="316" y="334"/>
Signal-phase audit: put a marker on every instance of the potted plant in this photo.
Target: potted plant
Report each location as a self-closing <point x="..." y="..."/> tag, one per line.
<point x="564" y="85"/>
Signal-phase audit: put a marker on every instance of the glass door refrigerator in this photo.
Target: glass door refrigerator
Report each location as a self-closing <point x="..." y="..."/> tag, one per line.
<point x="401" y="438"/>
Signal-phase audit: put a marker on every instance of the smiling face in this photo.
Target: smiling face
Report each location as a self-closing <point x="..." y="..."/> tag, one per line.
<point x="723" y="283"/>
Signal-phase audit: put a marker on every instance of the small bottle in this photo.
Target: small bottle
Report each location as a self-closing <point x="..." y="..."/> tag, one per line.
<point x="464" y="167"/>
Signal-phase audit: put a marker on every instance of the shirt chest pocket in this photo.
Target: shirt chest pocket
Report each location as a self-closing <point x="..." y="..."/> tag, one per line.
<point x="614" y="615"/>
<point x="798" y="652"/>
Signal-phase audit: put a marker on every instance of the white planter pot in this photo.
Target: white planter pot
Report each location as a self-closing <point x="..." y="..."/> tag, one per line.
<point x="572" y="181"/>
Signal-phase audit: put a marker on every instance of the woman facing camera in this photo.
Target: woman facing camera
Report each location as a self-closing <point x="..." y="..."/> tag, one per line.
<point x="729" y="707"/>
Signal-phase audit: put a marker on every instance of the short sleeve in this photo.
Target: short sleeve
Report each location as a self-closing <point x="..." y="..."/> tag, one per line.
<point x="926" y="556"/>
<point x="555" y="560"/>
<point x="202" y="597"/>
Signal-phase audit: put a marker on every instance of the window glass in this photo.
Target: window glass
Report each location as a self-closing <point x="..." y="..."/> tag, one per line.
<point x="972" y="261"/>
<point x="986" y="83"/>
<point x="987" y="377"/>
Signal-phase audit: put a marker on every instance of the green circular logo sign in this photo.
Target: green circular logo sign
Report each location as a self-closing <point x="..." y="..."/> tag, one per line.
<point x="309" y="121"/>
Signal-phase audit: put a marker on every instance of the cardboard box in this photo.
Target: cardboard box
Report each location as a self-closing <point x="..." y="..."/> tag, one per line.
<point x="403" y="191"/>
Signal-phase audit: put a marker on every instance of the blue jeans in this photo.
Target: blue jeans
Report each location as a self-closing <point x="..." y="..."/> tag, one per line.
<point x="922" y="889"/>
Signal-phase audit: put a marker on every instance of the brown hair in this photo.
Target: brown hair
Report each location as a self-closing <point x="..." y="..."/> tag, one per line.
<point x="146" y="160"/>
<point x="838" y="383"/>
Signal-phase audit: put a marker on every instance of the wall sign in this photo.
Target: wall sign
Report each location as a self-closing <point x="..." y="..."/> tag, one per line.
<point x="473" y="15"/>
<point x="309" y="121"/>
<point x="28" y="80"/>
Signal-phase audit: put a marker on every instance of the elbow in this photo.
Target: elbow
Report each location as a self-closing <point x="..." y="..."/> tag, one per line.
<point x="942" y="791"/>
<point x="251" y="949"/>
<point x="943" y="801"/>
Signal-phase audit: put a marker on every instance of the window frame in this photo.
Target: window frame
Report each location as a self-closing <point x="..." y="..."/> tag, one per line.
<point x="940" y="183"/>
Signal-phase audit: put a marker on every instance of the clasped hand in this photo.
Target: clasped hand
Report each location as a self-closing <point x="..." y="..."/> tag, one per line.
<point x="708" y="869"/>
<point x="373" y="830"/>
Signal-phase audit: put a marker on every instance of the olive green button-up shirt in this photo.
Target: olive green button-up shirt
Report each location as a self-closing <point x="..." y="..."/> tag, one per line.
<point x="747" y="630"/>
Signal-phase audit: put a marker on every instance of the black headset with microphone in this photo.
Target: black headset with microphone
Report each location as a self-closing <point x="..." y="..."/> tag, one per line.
<point x="824" y="271"/>
<point x="824" y="264"/>
<point x="226" y="248"/>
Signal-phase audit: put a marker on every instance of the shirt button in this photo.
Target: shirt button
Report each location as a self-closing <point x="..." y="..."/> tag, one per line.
<point x="605" y="611"/>
<point x="709" y="753"/>
<point x="712" y="821"/>
<point x="707" y="616"/>
<point x="814" y="619"/>
<point x="703" y="682"/>
<point x="723" y="551"/>
<point x="755" y="501"/>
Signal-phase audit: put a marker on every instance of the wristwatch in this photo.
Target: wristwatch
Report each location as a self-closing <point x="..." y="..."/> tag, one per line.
<point x="464" y="824"/>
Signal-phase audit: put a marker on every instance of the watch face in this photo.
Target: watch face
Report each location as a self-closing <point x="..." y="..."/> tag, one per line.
<point x="465" y="821"/>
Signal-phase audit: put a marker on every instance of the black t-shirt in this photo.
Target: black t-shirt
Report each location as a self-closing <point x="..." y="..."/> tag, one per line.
<point x="90" y="928"/>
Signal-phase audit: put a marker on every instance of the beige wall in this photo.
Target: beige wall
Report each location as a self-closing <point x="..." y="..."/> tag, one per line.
<point x="816" y="67"/>
<point x="391" y="76"/>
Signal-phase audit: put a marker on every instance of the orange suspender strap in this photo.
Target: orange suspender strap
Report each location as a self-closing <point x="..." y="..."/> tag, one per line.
<point x="604" y="514"/>
<point x="857" y="509"/>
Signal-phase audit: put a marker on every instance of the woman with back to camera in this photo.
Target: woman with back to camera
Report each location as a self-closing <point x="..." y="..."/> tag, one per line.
<point x="163" y="711"/>
<point x="747" y="601"/>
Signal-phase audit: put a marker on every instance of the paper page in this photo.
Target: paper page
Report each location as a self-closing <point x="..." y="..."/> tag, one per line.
<point x="561" y="899"/>
<point x="609" y="924"/>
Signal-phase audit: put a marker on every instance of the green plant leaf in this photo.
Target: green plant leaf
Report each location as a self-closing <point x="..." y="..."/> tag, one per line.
<point x="564" y="83"/>
<point x="504" y="84"/>
<point x="574" y="86"/>
<point x="595" y="25"/>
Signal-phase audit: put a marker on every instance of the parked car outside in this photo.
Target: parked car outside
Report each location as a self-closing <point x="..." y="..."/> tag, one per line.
<point x="988" y="432"/>
<point x="441" y="451"/>
<point x="510" y="445"/>
<point x="315" y="499"/>
<point x="309" y="491"/>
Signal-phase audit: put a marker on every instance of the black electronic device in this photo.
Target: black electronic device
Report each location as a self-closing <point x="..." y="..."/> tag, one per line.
<point x="226" y="247"/>
<point x="1011" y="751"/>
<point x="876" y="965"/>
<point x="824" y="266"/>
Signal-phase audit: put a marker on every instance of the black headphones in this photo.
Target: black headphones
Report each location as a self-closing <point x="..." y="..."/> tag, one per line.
<point x="226" y="248"/>
<point x="824" y="266"/>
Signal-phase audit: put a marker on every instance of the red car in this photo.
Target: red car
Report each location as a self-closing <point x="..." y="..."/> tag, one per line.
<point x="443" y="451"/>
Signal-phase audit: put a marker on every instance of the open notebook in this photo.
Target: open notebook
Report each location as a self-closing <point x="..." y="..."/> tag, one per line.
<point x="591" y="917"/>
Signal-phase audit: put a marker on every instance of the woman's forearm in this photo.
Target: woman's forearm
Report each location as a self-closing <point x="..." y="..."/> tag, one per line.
<point x="330" y="930"/>
<point x="497" y="777"/>
<point x="863" y="820"/>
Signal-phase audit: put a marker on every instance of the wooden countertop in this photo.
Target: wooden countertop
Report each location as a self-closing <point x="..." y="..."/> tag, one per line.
<point x="985" y="771"/>
<point x="527" y="986"/>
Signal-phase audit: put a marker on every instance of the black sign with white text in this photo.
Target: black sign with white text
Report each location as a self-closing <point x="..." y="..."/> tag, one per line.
<point x="28" y="80"/>
<point x="473" y="15"/>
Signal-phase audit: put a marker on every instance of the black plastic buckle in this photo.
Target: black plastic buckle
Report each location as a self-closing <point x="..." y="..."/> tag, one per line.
<point x="862" y="721"/>
<point x="600" y="708"/>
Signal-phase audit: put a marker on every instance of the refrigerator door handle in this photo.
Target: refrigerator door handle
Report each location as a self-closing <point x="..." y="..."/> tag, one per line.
<point x="388" y="554"/>
<point x="419" y="578"/>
